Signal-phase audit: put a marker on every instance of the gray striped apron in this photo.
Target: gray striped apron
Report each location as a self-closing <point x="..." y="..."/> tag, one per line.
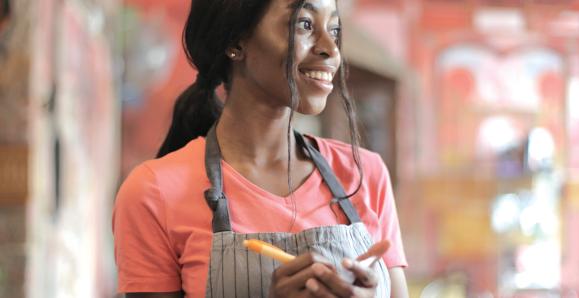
<point x="236" y="272"/>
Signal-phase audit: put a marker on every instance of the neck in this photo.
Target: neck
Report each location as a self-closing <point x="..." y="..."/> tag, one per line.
<point x="251" y="131"/>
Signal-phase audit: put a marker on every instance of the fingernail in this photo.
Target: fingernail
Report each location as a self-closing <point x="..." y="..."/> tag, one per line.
<point x="318" y="269"/>
<point x="347" y="263"/>
<point x="312" y="285"/>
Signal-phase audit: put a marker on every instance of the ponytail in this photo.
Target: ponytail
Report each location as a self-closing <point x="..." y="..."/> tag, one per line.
<point x="196" y="110"/>
<point x="212" y="27"/>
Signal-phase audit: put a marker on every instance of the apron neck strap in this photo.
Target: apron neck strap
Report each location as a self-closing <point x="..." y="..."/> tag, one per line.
<point x="217" y="200"/>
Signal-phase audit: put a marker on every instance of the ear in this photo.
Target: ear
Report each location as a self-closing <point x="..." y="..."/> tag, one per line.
<point x="235" y="53"/>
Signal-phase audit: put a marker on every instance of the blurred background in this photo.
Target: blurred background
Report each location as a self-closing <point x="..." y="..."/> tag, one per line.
<point x="473" y="104"/>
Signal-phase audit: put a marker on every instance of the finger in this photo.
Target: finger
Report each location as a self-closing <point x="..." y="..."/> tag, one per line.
<point x="321" y="259"/>
<point x="299" y="263"/>
<point x="364" y="292"/>
<point x="298" y="280"/>
<point x="317" y="289"/>
<point x="332" y="281"/>
<point x="365" y="276"/>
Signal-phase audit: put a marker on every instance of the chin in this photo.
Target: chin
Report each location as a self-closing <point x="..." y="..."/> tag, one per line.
<point x="312" y="106"/>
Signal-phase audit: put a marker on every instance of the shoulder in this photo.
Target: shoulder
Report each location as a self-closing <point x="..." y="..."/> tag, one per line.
<point x="190" y="156"/>
<point x="340" y="156"/>
<point x="171" y="173"/>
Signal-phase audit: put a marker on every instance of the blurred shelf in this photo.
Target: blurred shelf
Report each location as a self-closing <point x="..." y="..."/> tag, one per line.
<point x="442" y="188"/>
<point x="13" y="174"/>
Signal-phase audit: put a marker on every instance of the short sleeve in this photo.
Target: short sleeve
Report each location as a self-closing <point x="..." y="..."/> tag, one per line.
<point x="389" y="227"/>
<point x="144" y="255"/>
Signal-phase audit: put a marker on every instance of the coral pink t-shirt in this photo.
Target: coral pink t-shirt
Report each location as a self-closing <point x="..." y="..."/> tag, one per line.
<point x="162" y="224"/>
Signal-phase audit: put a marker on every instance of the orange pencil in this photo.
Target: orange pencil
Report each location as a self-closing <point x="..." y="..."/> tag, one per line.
<point x="269" y="250"/>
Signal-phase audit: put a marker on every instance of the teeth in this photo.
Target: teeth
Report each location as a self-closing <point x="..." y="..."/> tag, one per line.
<point x="319" y="75"/>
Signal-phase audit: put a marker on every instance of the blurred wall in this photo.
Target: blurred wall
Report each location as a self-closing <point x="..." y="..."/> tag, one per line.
<point x="74" y="127"/>
<point x="499" y="67"/>
<point x="14" y="144"/>
<point x="147" y="111"/>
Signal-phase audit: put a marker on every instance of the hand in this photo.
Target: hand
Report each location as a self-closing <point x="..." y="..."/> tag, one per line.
<point x="329" y="284"/>
<point x="308" y="275"/>
<point x="366" y="278"/>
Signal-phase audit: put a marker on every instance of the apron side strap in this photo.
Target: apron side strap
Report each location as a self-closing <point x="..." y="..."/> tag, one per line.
<point x="214" y="196"/>
<point x="218" y="204"/>
<point x="220" y="222"/>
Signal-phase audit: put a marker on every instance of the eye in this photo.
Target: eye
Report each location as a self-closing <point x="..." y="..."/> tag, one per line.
<point x="335" y="32"/>
<point x="305" y="24"/>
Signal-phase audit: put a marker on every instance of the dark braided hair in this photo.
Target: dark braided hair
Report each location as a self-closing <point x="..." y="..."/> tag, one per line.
<point x="212" y="27"/>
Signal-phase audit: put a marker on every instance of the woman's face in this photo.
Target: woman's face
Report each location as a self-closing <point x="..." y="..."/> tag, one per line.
<point x="317" y="57"/>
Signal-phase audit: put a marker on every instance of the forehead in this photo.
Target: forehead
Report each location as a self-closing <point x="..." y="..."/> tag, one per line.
<point x="314" y="6"/>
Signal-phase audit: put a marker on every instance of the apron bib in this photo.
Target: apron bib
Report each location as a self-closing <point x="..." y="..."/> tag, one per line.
<point x="234" y="271"/>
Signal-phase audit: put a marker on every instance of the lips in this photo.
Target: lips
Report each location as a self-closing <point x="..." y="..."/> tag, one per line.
<point x="319" y="75"/>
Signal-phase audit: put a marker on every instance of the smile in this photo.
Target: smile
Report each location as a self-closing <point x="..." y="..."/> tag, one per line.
<point x="319" y="75"/>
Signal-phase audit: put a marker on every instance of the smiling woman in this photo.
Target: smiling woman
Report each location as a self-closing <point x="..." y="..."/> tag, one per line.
<point x="237" y="171"/>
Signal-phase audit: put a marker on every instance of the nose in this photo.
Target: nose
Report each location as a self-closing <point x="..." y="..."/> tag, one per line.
<point x="326" y="46"/>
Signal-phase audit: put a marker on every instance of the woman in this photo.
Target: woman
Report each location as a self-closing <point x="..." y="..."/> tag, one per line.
<point x="227" y="173"/>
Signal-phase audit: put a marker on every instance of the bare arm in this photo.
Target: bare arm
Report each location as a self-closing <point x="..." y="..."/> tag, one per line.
<point x="155" y="295"/>
<point x="398" y="281"/>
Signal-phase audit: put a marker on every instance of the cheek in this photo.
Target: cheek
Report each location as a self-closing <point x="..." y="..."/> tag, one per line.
<point x="265" y="66"/>
<point x="302" y="48"/>
<point x="269" y="73"/>
<point x="266" y="60"/>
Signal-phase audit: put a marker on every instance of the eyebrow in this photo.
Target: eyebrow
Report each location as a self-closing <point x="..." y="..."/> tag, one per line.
<point x="311" y="7"/>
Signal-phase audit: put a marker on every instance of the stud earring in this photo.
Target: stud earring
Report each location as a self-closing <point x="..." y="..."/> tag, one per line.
<point x="232" y="55"/>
